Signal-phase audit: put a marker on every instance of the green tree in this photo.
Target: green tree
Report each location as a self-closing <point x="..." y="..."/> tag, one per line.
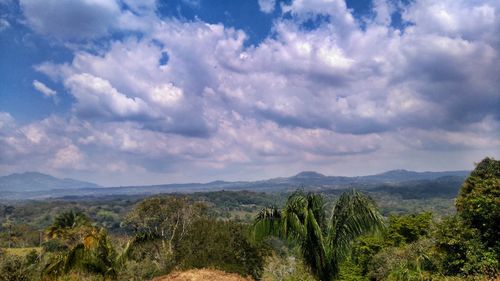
<point x="460" y="250"/>
<point x="479" y="202"/>
<point x="68" y="226"/>
<point x="324" y="242"/>
<point x="163" y="218"/>
<point x="8" y="223"/>
<point x="80" y="247"/>
<point x="408" y="228"/>
<point x="220" y="244"/>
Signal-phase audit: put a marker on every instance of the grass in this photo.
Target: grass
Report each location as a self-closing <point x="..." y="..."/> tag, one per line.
<point x="21" y="251"/>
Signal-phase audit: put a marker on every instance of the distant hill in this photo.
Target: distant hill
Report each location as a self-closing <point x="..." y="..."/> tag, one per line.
<point x="33" y="181"/>
<point x="405" y="175"/>
<point x="444" y="187"/>
<point x="308" y="175"/>
<point x="408" y="184"/>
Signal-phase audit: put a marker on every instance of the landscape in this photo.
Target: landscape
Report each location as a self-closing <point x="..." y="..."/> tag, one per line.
<point x="65" y="227"/>
<point x="249" y="140"/>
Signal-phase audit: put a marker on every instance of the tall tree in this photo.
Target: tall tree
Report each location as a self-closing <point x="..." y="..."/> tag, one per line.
<point x="164" y="219"/>
<point x="479" y="202"/>
<point x="324" y="242"/>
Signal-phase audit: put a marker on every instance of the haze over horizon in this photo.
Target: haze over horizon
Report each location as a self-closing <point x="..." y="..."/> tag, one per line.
<point x="121" y="92"/>
<point x="223" y="180"/>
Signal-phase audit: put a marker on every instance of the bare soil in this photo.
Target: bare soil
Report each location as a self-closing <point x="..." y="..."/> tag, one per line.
<point x="202" y="275"/>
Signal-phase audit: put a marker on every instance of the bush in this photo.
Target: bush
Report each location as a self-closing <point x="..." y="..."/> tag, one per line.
<point x="411" y="262"/>
<point x="286" y="268"/>
<point x="13" y="268"/>
<point x="461" y="250"/>
<point x="409" y="228"/>
<point x="222" y="245"/>
<point x="54" y="245"/>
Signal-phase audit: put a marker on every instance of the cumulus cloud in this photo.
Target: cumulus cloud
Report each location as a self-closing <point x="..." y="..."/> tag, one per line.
<point x="69" y="157"/>
<point x="84" y="19"/>
<point x="96" y="97"/>
<point x="338" y="92"/>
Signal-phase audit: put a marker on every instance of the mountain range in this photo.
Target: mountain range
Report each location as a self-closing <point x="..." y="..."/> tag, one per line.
<point x="33" y="185"/>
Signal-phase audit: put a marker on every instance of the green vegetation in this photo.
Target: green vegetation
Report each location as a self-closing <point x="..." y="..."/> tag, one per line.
<point x="478" y="203"/>
<point x="328" y="235"/>
<point x="324" y="241"/>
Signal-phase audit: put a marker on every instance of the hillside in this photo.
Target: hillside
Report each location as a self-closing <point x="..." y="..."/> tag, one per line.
<point x="36" y="182"/>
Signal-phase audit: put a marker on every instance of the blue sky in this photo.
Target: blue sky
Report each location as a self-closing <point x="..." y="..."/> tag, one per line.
<point x="136" y="92"/>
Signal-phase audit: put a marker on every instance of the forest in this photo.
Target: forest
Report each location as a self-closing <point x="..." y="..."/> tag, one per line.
<point x="378" y="234"/>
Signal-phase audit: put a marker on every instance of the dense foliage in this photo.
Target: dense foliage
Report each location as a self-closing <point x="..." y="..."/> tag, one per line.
<point x="479" y="202"/>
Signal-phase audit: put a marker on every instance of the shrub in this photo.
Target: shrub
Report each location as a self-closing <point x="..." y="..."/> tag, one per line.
<point x="220" y="244"/>
<point x="461" y="251"/>
<point x="13" y="268"/>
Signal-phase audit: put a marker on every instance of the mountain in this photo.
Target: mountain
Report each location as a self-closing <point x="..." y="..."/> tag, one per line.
<point x="408" y="184"/>
<point x="405" y="175"/>
<point x="308" y="175"/>
<point x="38" y="182"/>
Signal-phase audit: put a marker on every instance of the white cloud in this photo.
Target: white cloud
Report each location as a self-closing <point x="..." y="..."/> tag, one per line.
<point x="4" y="24"/>
<point x="87" y="19"/>
<point x="193" y="3"/>
<point x="267" y="6"/>
<point x="69" y="157"/>
<point x="71" y="19"/>
<point x="6" y="120"/>
<point x="97" y="97"/>
<point x="42" y="88"/>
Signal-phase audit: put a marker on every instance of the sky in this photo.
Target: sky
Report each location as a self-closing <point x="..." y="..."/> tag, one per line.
<point x="124" y="92"/>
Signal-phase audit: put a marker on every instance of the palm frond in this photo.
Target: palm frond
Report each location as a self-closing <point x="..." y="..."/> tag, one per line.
<point x="124" y="255"/>
<point x="354" y="214"/>
<point x="324" y="244"/>
<point x="268" y="222"/>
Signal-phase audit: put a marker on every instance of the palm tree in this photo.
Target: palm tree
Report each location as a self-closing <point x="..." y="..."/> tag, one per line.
<point x="86" y="247"/>
<point x="66" y="223"/>
<point x="324" y="242"/>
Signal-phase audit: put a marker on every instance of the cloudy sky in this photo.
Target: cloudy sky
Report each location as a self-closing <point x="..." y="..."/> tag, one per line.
<point x="124" y="92"/>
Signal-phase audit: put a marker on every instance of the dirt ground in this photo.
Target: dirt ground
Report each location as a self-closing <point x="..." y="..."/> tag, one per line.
<point x="202" y="275"/>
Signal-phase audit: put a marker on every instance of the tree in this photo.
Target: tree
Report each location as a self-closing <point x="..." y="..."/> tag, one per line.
<point x="468" y="242"/>
<point x="220" y="244"/>
<point x="164" y="219"/>
<point x="82" y="247"/>
<point x="8" y="223"/>
<point x="461" y="251"/>
<point x="68" y="226"/>
<point x="478" y="203"/>
<point x="408" y="228"/>
<point x="324" y="242"/>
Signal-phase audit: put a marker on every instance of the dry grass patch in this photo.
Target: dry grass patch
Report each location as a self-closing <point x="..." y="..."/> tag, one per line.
<point x="21" y="252"/>
<point x="202" y="275"/>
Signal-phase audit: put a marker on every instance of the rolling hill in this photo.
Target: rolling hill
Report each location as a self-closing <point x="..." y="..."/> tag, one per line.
<point x="34" y="182"/>
<point x="405" y="183"/>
